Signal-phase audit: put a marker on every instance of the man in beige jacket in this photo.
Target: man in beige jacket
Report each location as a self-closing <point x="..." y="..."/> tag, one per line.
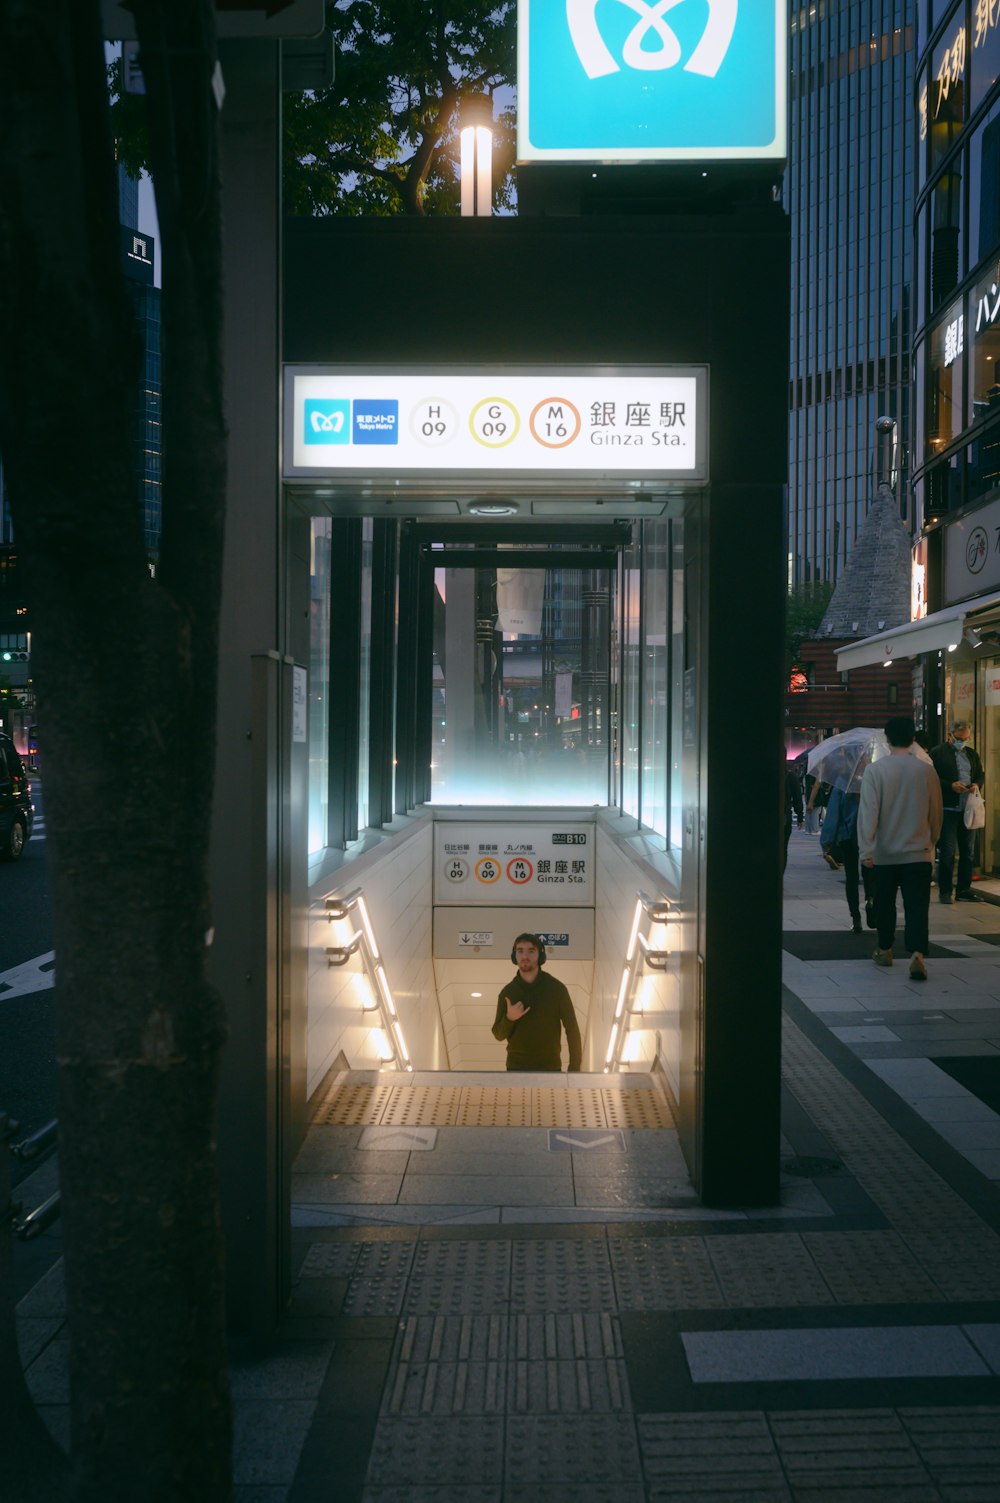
<point x="899" y="822"/>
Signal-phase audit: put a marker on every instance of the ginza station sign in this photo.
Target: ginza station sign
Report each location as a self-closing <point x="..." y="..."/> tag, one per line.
<point x="651" y="80"/>
<point x="641" y="422"/>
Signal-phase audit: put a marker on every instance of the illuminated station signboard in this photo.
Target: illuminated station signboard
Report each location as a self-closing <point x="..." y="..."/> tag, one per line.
<point x="651" y="80"/>
<point x="639" y="421"/>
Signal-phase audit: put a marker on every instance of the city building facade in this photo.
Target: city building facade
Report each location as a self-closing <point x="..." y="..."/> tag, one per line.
<point x="848" y="189"/>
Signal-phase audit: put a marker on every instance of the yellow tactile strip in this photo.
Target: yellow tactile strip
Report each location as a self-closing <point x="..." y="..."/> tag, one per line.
<point x="351" y="1103"/>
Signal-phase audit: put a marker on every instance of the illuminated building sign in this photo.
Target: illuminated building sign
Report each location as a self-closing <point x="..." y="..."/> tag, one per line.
<point x="987" y="305"/>
<point x="949" y="76"/>
<point x="651" y="80"/>
<point x="954" y="339"/>
<point x="986" y="18"/>
<point x="643" y="422"/>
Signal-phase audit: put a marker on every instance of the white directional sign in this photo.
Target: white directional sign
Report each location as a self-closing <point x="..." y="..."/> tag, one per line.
<point x="530" y="865"/>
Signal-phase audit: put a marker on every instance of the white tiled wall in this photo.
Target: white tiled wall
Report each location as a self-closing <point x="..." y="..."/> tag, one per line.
<point x="658" y="993"/>
<point x="396" y="882"/>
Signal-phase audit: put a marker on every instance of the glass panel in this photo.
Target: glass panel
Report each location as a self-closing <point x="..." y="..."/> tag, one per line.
<point x="655" y="660"/>
<point x="631" y="660"/>
<point x="677" y="687"/>
<point x="945" y="364"/>
<point x="947" y="89"/>
<point x="984" y="188"/>
<point x="364" y="687"/>
<point x="319" y="682"/>
<point x="985" y="49"/>
<point x="984" y="330"/>
<point x="521" y="706"/>
<point x="923" y="128"/>
<point x="946" y="233"/>
<point x="983" y="465"/>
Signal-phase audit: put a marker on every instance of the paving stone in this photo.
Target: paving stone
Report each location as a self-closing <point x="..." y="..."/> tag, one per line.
<point x="455" y="1278"/>
<point x="268" y="1436"/>
<point x="870" y="1268"/>
<point x="445" y="1388"/>
<point x="561" y="1274"/>
<point x="453" y="1338"/>
<point x="565" y="1450"/>
<point x="330" y="1260"/>
<point x="960" y="1448"/>
<point x="851" y="1455"/>
<point x="664" y="1273"/>
<point x="295" y="1374"/>
<point x="564" y="1337"/>
<point x="443" y="1494"/>
<point x="819" y="1354"/>
<point x="48" y="1376"/>
<point x="700" y="1456"/>
<point x="378" y="1282"/>
<point x="612" y="1492"/>
<point x="586" y="1386"/>
<point x="769" y="1269"/>
<point x="413" y="1453"/>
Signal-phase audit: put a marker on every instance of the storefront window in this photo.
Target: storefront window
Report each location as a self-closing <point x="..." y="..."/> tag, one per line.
<point x="945" y="358"/>
<point x="985" y="49"/>
<point x="946" y="103"/>
<point x="984" y="188"/>
<point x="983" y="465"/>
<point x="983" y="324"/>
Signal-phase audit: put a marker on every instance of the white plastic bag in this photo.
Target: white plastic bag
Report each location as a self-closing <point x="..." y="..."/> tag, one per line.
<point x="975" y="810"/>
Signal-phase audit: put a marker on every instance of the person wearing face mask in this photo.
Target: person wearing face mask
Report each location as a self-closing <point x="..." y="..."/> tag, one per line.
<point x="960" y="769"/>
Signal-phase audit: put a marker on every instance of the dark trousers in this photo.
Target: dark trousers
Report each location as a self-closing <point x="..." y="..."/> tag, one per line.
<point x="847" y="852"/>
<point x="913" y="880"/>
<point x="954" y="836"/>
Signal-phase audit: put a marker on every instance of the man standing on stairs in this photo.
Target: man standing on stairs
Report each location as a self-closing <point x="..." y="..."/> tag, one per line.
<point x="531" y="1011"/>
<point x="898" y="825"/>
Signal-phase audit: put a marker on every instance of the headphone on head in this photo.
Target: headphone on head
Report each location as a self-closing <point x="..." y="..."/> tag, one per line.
<point x="535" y="940"/>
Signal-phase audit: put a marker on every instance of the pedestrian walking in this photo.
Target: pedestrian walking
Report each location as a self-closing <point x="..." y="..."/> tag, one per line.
<point x="960" y="770"/>
<point x="533" y="1011"/>
<point x="899" y="821"/>
<point x="793" y="804"/>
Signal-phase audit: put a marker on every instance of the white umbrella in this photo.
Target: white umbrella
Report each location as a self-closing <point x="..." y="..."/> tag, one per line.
<point x="841" y="760"/>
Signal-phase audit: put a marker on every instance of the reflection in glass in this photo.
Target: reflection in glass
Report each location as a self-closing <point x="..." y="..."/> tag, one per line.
<point x="947" y="89"/>
<point x="946" y="233"/>
<point x="984" y="187"/>
<point x="521" y="686"/>
<point x="984" y="329"/>
<point x="985" y="50"/>
<point x="945" y="356"/>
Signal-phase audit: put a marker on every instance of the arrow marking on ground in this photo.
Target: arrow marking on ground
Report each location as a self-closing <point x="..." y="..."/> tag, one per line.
<point x="608" y="1137"/>
<point x="36" y="975"/>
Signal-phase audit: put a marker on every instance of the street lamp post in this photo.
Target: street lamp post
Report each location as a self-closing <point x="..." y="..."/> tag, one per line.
<point x="476" y="159"/>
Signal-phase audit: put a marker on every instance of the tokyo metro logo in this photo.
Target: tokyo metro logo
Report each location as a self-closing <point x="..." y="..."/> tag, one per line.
<point x="326" y="421"/>
<point x="651" y="44"/>
<point x="646" y="80"/>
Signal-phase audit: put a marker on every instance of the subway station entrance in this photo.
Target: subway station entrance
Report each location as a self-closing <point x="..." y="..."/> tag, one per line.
<point x="514" y="693"/>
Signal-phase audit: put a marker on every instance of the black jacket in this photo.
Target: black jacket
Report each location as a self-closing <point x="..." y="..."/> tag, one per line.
<point x="946" y="767"/>
<point x="533" y="1042"/>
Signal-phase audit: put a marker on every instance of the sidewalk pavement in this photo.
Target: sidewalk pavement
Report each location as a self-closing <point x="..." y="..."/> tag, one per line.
<point x="844" y="1349"/>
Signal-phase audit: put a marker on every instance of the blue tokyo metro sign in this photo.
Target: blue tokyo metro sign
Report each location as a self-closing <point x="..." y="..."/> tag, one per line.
<point x="651" y="80"/>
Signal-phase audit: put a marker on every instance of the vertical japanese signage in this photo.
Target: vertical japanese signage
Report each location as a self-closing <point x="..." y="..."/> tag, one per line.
<point x="651" y="80"/>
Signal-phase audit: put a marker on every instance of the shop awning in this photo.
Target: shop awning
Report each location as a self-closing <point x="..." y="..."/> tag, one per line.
<point x="930" y="634"/>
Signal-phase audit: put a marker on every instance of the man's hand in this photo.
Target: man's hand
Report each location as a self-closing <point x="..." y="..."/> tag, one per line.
<point x="515" y="1010"/>
<point x="868" y="861"/>
<point x="958" y="788"/>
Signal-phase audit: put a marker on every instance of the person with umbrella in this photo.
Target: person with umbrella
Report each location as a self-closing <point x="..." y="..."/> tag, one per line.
<point x="840" y="761"/>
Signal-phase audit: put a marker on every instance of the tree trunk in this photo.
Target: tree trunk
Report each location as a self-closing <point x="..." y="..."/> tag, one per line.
<point x="125" y="670"/>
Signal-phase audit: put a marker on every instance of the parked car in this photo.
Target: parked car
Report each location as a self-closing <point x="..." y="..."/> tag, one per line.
<point x="17" y="812"/>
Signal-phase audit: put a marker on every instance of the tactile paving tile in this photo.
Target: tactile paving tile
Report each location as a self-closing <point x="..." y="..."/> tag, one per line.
<point x="637" y="1108"/>
<point x="869" y="1268"/>
<point x="378" y="1281"/>
<point x="487" y="1107"/>
<point x="835" y="1453"/>
<point x="586" y="1450"/>
<point x="572" y="1106"/>
<point x="431" y="1451"/>
<point x="565" y="1337"/>
<point x="561" y="1275"/>
<point x="433" y="1494"/>
<point x="769" y="1268"/>
<point x="960" y="1448"/>
<point x="423" y="1106"/>
<point x="586" y="1386"/>
<point x="716" y="1456"/>
<point x="456" y="1278"/>
<point x="440" y="1388"/>
<point x="352" y="1103"/>
<point x="453" y="1338"/>
<point x="330" y="1260"/>
<point x="664" y="1273"/>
